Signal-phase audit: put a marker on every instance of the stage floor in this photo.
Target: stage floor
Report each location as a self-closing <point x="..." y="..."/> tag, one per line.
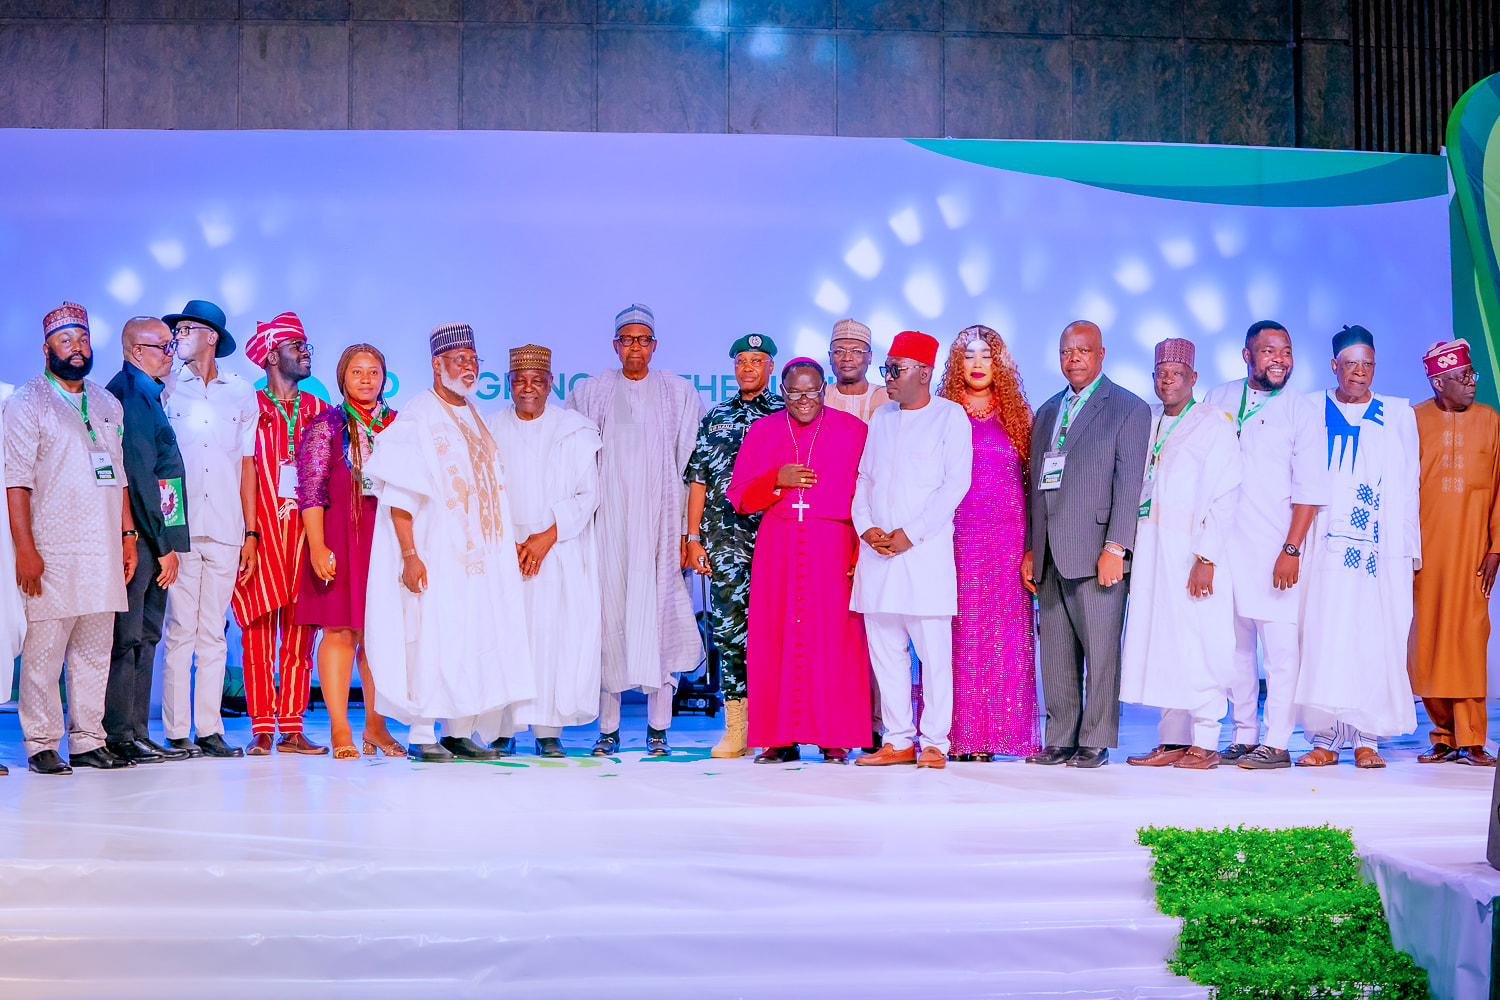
<point x="628" y="877"/>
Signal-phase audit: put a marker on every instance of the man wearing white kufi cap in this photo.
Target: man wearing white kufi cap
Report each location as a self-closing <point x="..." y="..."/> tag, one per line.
<point x="444" y="627"/>
<point x="648" y="420"/>
<point x="849" y="356"/>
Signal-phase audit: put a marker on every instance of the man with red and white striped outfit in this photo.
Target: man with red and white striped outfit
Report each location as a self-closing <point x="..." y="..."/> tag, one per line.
<point x="265" y="601"/>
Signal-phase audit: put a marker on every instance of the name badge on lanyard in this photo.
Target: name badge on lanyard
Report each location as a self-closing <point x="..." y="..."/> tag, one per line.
<point x="286" y="481"/>
<point x="1146" y="489"/>
<point x="1052" y="470"/>
<point x="104" y="470"/>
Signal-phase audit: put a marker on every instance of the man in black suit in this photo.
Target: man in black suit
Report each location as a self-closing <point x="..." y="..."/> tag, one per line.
<point x="1088" y="456"/>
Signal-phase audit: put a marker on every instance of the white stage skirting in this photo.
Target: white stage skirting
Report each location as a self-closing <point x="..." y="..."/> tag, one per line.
<point x="679" y="879"/>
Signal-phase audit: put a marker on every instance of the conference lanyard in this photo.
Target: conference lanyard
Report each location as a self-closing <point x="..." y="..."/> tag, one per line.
<point x="1161" y="438"/>
<point x="1244" y="396"/>
<point x="367" y="424"/>
<point x="82" y="411"/>
<point x="1070" y="411"/>
<point x="291" y="421"/>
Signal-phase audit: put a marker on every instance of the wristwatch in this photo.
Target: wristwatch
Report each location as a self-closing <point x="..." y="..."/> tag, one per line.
<point x="1292" y="550"/>
<point x="695" y="538"/>
<point x="253" y="534"/>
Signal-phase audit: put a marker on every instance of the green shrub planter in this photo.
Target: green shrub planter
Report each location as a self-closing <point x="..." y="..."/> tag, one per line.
<point x="1271" y="914"/>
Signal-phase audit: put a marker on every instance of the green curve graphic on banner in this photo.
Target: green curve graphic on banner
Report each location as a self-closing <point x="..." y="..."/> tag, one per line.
<point x="1474" y="155"/>
<point x="1219" y="175"/>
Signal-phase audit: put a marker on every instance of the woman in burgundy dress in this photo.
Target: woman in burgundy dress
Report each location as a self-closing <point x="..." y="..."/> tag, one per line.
<point x="994" y="651"/>
<point x="339" y="518"/>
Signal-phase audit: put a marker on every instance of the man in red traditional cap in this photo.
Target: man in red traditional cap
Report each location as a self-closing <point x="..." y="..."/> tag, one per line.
<point x="265" y="600"/>
<point x="917" y="464"/>
<point x="1460" y="516"/>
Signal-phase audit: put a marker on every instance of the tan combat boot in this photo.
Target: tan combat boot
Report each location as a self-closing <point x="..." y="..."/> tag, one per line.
<point x="736" y="729"/>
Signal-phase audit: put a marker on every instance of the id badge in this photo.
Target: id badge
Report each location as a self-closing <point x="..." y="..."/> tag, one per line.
<point x="286" y="481"/>
<point x="1052" y="470"/>
<point x="1146" y="490"/>
<point x="104" y="471"/>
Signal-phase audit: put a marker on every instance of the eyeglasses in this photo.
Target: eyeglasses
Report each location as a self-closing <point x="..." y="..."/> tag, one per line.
<point x="848" y="354"/>
<point x="182" y="328"/>
<point x="465" y="360"/>
<point x="894" y="372"/>
<point x="299" y="347"/>
<point x="169" y="348"/>
<point x="645" y="340"/>
<point x="798" y="397"/>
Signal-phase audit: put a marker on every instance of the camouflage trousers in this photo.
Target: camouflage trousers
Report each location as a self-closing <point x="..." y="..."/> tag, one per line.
<point x="729" y="615"/>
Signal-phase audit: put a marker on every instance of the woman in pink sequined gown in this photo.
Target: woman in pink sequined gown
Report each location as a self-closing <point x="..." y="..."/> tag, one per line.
<point x="994" y="651"/>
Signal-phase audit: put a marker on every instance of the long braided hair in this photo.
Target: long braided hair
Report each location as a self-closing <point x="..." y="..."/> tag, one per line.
<point x="353" y="426"/>
<point x="1011" y="407"/>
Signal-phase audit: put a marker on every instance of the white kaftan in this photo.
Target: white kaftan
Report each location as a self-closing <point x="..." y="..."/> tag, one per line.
<point x="648" y="428"/>
<point x="1360" y="557"/>
<point x="458" y="649"/>
<point x="552" y="477"/>
<point x="1179" y="649"/>
<point x="915" y="470"/>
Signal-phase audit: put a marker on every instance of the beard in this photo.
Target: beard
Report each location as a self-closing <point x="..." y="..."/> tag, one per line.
<point x="457" y="385"/>
<point x="67" y="369"/>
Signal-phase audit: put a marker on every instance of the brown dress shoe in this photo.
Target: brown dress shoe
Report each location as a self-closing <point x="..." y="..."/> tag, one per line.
<point x="1439" y="753"/>
<point x="1162" y="756"/>
<point x="1318" y="757"/>
<point x="1198" y="759"/>
<point x="260" y="745"/>
<point x="888" y="755"/>
<point x="297" y="743"/>
<point x="1475" y="756"/>
<point x="1367" y="758"/>
<point x="932" y="757"/>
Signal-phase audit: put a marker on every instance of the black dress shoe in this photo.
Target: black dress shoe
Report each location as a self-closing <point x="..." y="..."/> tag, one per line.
<point x="429" y="753"/>
<point x="876" y="742"/>
<point x="100" y="757"/>
<point x="1052" y="755"/>
<point x="130" y="751"/>
<point x="466" y="749"/>
<point x="780" y="755"/>
<point x="213" y="745"/>
<point x="656" y="742"/>
<point x="47" y="762"/>
<point x="166" y="753"/>
<point x="187" y="746"/>
<point x="607" y="744"/>
<point x="505" y="746"/>
<point x="550" y="746"/>
<point x="1089" y="757"/>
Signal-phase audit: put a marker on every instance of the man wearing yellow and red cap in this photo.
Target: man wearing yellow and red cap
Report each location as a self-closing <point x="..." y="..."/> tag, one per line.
<point x="916" y="468"/>
<point x="265" y="600"/>
<point x="1460" y="517"/>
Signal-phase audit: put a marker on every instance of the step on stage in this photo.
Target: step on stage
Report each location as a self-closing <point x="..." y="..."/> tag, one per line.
<point x="683" y="878"/>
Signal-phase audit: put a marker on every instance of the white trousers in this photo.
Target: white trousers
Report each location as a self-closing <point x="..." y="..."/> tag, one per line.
<point x="1282" y="657"/>
<point x="658" y="709"/>
<point x="1180" y="727"/>
<point x="933" y="640"/>
<point x="197" y="602"/>
<point x="1339" y="735"/>
<point x="80" y="645"/>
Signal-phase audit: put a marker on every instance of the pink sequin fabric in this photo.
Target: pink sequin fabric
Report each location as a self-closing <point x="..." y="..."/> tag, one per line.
<point x="994" y="652"/>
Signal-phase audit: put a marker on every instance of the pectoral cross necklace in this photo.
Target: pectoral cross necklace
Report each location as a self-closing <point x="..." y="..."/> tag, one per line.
<point x="801" y="506"/>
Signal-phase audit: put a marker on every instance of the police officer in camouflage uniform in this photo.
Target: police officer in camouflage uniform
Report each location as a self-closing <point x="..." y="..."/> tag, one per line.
<point x="721" y="541"/>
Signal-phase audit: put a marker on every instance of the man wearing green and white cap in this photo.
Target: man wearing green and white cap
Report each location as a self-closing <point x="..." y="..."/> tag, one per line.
<point x="720" y="541"/>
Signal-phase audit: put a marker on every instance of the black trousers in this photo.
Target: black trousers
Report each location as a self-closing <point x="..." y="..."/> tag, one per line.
<point x="127" y="697"/>
<point x="1080" y="623"/>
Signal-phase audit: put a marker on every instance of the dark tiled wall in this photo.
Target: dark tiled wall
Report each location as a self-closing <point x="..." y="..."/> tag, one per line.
<point x="1272" y="72"/>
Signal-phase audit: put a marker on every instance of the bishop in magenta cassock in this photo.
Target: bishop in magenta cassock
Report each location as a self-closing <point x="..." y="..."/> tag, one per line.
<point x="806" y="662"/>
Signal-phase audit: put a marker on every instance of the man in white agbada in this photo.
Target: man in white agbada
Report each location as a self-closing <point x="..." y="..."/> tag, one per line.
<point x="1179" y="638"/>
<point x="444" y="630"/>
<point x="550" y="456"/>
<point x="916" y="468"/>
<point x="1363" y="551"/>
<point x="648" y="420"/>
<point x="1284" y="481"/>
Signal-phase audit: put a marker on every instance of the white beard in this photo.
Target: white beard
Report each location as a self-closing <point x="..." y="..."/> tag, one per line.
<point x="457" y="385"/>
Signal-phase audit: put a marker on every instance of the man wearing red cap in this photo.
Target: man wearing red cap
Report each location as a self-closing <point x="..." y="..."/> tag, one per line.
<point x="265" y="600"/>
<point x="916" y="468"/>
<point x="1179" y="641"/>
<point x="1460" y="516"/>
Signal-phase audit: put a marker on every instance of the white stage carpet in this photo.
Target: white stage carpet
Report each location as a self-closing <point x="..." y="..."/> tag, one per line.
<point x="678" y="879"/>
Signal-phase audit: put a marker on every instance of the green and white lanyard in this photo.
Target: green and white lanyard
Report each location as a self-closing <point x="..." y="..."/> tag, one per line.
<point x="1239" y="421"/>
<point x="286" y="478"/>
<point x="1160" y="439"/>
<point x="365" y="484"/>
<point x="1069" y="412"/>
<point x="104" y="470"/>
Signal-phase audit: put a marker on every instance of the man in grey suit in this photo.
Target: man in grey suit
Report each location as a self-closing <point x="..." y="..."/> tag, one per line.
<point x="1088" y="456"/>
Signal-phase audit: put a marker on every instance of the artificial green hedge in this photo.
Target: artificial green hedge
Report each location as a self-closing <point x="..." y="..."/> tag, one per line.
<point x="1271" y="914"/>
